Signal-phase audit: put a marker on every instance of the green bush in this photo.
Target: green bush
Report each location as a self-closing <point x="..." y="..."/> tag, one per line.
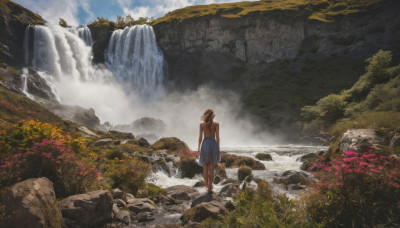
<point x="129" y="175"/>
<point x="331" y="107"/>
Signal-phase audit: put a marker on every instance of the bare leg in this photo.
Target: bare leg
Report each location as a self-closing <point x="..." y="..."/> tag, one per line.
<point x="210" y="176"/>
<point x="205" y="174"/>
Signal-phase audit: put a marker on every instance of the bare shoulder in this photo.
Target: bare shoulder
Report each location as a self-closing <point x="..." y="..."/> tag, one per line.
<point x="216" y="124"/>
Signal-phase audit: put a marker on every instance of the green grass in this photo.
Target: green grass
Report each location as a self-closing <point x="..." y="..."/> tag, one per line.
<point x="321" y="10"/>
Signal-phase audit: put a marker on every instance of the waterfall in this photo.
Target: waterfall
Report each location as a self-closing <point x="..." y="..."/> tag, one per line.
<point x="83" y="33"/>
<point x="136" y="60"/>
<point x="24" y="78"/>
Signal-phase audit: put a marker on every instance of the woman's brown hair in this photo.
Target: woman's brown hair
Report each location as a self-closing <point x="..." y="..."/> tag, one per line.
<point x="208" y="117"/>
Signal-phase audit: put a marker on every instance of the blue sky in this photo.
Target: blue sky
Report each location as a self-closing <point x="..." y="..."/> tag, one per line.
<point x="82" y="12"/>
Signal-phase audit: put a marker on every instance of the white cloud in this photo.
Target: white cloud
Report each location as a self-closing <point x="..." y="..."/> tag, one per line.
<point x="158" y="8"/>
<point x="52" y="10"/>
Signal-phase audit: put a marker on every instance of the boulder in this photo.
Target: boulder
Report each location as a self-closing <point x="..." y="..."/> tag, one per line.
<point x="306" y="165"/>
<point x="231" y="160"/>
<point x="117" y="193"/>
<point x="121" y="215"/>
<point x="103" y="142"/>
<point x="87" y="131"/>
<point x="171" y="144"/>
<point x="141" y="205"/>
<point x="294" y="177"/>
<point x="32" y="203"/>
<point x="220" y="173"/>
<point x="189" y="167"/>
<point x="359" y="140"/>
<point x="120" y="203"/>
<point x="229" y="190"/>
<point x="204" y="211"/>
<point x="160" y="165"/>
<point x="307" y="157"/>
<point x="182" y="193"/>
<point x="207" y="197"/>
<point x="395" y="141"/>
<point x="92" y="209"/>
<point x="264" y="157"/>
<point x="199" y="183"/>
<point x="143" y="142"/>
<point x="129" y="197"/>
<point x="144" y="216"/>
<point x="243" y="172"/>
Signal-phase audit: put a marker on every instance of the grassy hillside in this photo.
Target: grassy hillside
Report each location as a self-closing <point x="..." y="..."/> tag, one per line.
<point x="322" y="10"/>
<point x="19" y="13"/>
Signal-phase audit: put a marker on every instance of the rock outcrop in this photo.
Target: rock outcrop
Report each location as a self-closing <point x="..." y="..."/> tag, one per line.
<point x="359" y="140"/>
<point x="92" y="209"/>
<point x="32" y="203"/>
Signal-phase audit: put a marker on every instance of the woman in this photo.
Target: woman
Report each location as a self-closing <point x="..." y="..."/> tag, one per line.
<point x="209" y="152"/>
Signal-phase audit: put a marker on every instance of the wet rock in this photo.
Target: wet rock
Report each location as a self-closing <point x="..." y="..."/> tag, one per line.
<point x="243" y="172"/>
<point x="294" y="177"/>
<point x="144" y="216"/>
<point x="231" y="160"/>
<point x="207" y="197"/>
<point x="32" y="203"/>
<point x="306" y="157"/>
<point x="129" y="197"/>
<point x="104" y="142"/>
<point x="161" y="165"/>
<point x="189" y="167"/>
<point x="258" y="166"/>
<point x="229" y="190"/>
<point x="395" y="141"/>
<point x="359" y="140"/>
<point x="264" y="157"/>
<point x="117" y="193"/>
<point x="204" y="211"/>
<point x="182" y="193"/>
<point x="120" y="203"/>
<point x="141" y="205"/>
<point x="199" y="183"/>
<point x="87" y="131"/>
<point x="306" y="165"/>
<point x="143" y="142"/>
<point x="92" y="209"/>
<point x="121" y="215"/>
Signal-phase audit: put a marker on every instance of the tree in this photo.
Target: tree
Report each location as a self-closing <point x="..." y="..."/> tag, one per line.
<point x="377" y="66"/>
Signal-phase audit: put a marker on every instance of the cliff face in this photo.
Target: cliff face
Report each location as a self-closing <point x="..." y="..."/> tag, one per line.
<point x="205" y="44"/>
<point x="13" y="21"/>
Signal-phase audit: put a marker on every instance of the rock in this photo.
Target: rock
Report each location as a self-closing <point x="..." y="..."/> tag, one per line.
<point x="189" y="167"/>
<point x="294" y="177"/>
<point x="144" y="216"/>
<point x="229" y="205"/>
<point x="229" y="190"/>
<point x="101" y="36"/>
<point x="264" y="157"/>
<point x="205" y="210"/>
<point x="87" y="131"/>
<point x="145" y="127"/>
<point x="117" y="193"/>
<point x="121" y="215"/>
<point x="306" y="157"/>
<point x="143" y="142"/>
<point x="92" y="209"/>
<point x="306" y="165"/>
<point x="161" y="165"/>
<point x="129" y="197"/>
<point x="231" y="160"/>
<point x="32" y="203"/>
<point x="182" y="193"/>
<point x="207" y="197"/>
<point x="243" y="172"/>
<point x="171" y="144"/>
<point x="141" y="205"/>
<point x="395" y="141"/>
<point x="104" y="142"/>
<point x="258" y="166"/>
<point x="199" y="183"/>
<point x="120" y="203"/>
<point x="359" y="140"/>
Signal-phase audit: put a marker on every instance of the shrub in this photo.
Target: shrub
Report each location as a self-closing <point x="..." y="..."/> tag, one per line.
<point x="356" y="190"/>
<point x="332" y="107"/>
<point x="378" y="64"/>
<point x="129" y="175"/>
<point x="54" y="160"/>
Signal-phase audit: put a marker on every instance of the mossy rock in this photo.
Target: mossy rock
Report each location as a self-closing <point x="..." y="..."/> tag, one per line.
<point x="220" y="173"/>
<point x="264" y="157"/>
<point x="243" y="172"/>
<point x="228" y="159"/>
<point x="115" y="154"/>
<point x="150" y="191"/>
<point x="161" y="165"/>
<point x="170" y="144"/>
<point x="189" y="167"/>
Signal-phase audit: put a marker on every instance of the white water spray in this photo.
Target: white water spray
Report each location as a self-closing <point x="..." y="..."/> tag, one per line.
<point x="136" y="60"/>
<point x="83" y="33"/>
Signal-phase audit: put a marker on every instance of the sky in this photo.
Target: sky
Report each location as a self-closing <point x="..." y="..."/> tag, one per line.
<point x="83" y="12"/>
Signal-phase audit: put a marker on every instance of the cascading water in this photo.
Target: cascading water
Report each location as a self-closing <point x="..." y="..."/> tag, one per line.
<point x="83" y="33"/>
<point x="136" y="60"/>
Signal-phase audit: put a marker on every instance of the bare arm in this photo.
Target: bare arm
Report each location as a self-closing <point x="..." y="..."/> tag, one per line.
<point x="200" y="138"/>
<point x="217" y="134"/>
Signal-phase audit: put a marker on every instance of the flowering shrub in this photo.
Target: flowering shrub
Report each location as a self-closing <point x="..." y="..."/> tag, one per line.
<point x="129" y="175"/>
<point x="52" y="159"/>
<point x="356" y="190"/>
<point x="187" y="152"/>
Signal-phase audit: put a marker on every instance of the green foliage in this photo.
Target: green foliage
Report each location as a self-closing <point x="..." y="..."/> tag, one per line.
<point x="170" y="144"/>
<point x="331" y="107"/>
<point x="102" y="22"/>
<point x="128" y="175"/>
<point x="129" y="21"/>
<point x="150" y="191"/>
<point x="377" y="66"/>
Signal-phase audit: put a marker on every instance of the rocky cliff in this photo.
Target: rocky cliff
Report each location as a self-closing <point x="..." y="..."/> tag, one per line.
<point x="214" y="40"/>
<point x="13" y="21"/>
